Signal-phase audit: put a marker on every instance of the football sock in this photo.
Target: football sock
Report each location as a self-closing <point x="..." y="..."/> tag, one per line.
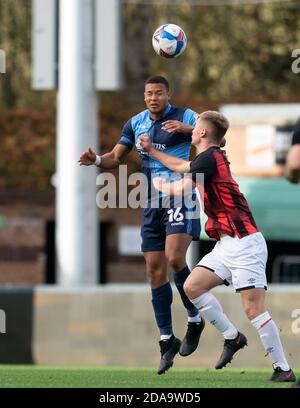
<point x="195" y="319"/>
<point x="162" y="298"/>
<point x="179" y="279"/>
<point x="209" y="306"/>
<point x="270" y="339"/>
<point x="165" y="337"/>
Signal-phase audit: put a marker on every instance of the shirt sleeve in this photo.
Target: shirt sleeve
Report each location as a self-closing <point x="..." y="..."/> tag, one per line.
<point x="127" y="136"/>
<point x="296" y="134"/>
<point x="205" y="164"/>
<point x="189" y="117"/>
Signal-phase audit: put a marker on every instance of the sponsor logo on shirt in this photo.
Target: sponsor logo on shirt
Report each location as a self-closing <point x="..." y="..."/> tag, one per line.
<point x="157" y="146"/>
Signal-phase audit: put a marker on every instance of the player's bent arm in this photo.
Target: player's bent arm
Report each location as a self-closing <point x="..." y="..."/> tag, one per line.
<point x="173" y="163"/>
<point x="180" y="187"/>
<point x="292" y="169"/>
<point x="114" y="158"/>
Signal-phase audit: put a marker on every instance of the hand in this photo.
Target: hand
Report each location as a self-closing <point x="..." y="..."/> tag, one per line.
<point x="158" y="183"/>
<point x="146" y="144"/>
<point x="87" y="158"/>
<point x="176" y="126"/>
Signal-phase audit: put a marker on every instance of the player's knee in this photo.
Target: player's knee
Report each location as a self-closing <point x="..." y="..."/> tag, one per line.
<point x="176" y="261"/>
<point x="187" y="289"/>
<point x="253" y="310"/>
<point x="190" y="291"/>
<point x="153" y="266"/>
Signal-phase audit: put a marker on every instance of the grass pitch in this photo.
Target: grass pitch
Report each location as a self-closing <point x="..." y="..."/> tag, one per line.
<point x="14" y="376"/>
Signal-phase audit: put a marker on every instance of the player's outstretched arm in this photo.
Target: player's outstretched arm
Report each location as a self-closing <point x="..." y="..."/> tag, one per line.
<point x="292" y="169"/>
<point x="173" y="163"/>
<point x="108" y="160"/>
<point x="180" y="187"/>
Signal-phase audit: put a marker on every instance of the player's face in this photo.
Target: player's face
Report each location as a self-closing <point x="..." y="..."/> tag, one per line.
<point x="156" y="97"/>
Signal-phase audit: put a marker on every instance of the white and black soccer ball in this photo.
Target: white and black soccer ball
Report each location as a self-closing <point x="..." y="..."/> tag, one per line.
<point x="169" y="40"/>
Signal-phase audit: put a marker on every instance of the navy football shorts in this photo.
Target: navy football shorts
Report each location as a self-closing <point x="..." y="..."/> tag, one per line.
<point x="157" y="223"/>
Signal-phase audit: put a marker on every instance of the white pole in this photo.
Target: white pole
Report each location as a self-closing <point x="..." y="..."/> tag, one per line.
<point x="76" y="211"/>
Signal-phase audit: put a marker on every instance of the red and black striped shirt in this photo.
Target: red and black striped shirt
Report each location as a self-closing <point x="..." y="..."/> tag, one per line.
<point x="226" y="207"/>
<point x="296" y="134"/>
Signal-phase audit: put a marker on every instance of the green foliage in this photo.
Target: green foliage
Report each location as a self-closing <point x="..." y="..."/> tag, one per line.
<point x="237" y="53"/>
<point x="15" y="40"/>
<point x="27" y="149"/>
<point x="241" y="52"/>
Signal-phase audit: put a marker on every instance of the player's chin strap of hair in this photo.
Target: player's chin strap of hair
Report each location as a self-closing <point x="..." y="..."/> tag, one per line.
<point x="97" y="162"/>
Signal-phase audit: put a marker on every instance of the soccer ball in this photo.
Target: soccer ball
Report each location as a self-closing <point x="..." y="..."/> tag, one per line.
<point x="169" y="40"/>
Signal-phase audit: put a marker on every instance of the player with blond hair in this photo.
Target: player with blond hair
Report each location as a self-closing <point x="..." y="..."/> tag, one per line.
<point x="240" y="254"/>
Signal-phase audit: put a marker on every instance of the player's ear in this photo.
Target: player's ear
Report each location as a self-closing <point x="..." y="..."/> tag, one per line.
<point x="202" y="132"/>
<point x="223" y="142"/>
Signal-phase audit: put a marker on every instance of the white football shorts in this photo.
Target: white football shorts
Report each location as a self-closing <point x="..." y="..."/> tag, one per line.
<point x="240" y="261"/>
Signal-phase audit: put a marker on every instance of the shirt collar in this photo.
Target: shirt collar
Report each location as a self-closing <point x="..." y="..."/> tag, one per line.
<point x="167" y="110"/>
